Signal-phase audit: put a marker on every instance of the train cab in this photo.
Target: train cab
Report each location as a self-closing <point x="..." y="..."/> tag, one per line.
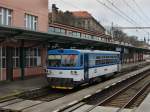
<point x="64" y="68"/>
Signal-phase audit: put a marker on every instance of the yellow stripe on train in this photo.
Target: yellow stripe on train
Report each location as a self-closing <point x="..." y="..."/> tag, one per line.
<point x="58" y="87"/>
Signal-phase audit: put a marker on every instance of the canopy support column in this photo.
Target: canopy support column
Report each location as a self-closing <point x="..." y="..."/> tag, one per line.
<point x="22" y="60"/>
<point x="9" y="63"/>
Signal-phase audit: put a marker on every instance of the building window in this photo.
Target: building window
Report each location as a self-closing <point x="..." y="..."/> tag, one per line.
<point x="33" y="57"/>
<point x="5" y="16"/>
<point x="31" y="22"/>
<point x="83" y="35"/>
<point x="57" y="30"/>
<point x="51" y="29"/>
<point x="16" y="57"/>
<point x="69" y="33"/>
<point x="2" y="57"/>
<point x="74" y="33"/>
<point x="62" y="31"/>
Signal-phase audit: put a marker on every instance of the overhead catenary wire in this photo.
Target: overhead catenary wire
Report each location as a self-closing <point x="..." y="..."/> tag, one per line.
<point x="70" y="4"/>
<point x="131" y="22"/>
<point x="123" y="13"/>
<point x="115" y="12"/>
<point x="141" y="10"/>
<point x="134" y="11"/>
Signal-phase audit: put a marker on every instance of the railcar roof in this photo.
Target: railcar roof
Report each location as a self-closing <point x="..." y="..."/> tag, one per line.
<point x="98" y="51"/>
<point x="89" y="51"/>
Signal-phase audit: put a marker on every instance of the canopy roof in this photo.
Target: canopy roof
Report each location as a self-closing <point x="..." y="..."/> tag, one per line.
<point x="23" y="34"/>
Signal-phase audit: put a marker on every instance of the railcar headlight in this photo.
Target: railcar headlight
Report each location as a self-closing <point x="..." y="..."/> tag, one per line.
<point x="75" y="72"/>
<point x="72" y="72"/>
<point x="60" y="72"/>
<point x="49" y="72"/>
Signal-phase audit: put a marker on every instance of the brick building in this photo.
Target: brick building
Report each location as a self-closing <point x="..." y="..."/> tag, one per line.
<point x="26" y="14"/>
<point x="87" y="21"/>
<point x="81" y="19"/>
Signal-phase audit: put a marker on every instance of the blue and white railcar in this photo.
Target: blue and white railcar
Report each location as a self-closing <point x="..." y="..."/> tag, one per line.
<point x="70" y="67"/>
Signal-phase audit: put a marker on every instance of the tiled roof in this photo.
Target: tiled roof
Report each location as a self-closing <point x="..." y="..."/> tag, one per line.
<point x="81" y="14"/>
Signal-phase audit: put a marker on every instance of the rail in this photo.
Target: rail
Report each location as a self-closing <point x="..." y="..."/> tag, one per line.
<point x="107" y="99"/>
<point x="134" y="97"/>
<point x="126" y="104"/>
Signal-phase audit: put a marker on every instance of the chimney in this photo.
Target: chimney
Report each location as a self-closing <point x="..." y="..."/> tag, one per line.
<point x="54" y="13"/>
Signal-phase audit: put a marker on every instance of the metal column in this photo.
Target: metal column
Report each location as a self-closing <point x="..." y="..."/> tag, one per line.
<point x="9" y="63"/>
<point x="22" y="60"/>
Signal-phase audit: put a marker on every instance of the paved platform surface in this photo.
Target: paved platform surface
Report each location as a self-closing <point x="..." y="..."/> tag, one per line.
<point x="126" y="66"/>
<point x="145" y="105"/>
<point x="101" y="109"/>
<point x="22" y="105"/>
<point x="11" y="88"/>
<point x="78" y="96"/>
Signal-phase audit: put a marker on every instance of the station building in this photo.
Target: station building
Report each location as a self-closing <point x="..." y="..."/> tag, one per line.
<point x="25" y="14"/>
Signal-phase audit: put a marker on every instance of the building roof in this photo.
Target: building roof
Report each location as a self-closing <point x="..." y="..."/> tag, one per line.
<point x="81" y="14"/>
<point x="85" y="15"/>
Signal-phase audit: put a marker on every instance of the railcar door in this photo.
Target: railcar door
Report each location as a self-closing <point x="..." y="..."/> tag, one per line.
<point x="86" y="67"/>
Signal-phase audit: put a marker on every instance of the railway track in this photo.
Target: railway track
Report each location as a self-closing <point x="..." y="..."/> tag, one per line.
<point x="36" y="97"/>
<point x="32" y="98"/>
<point x="43" y="94"/>
<point x="47" y="94"/>
<point x="130" y="94"/>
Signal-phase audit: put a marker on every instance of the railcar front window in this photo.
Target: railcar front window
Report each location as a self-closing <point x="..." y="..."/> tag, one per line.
<point x="62" y="60"/>
<point x="69" y="60"/>
<point x="54" y="60"/>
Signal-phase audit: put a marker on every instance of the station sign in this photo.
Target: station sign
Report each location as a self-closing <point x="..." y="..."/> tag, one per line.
<point x="124" y="50"/>
<point x="118" y="49"/>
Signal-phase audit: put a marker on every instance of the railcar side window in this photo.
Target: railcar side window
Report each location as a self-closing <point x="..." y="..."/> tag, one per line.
<point x="104" y="59"/>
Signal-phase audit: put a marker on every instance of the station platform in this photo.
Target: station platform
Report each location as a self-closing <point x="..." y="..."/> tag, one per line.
<point x="101" y="109"/>
<point x="63" y="102"/>
<point x="127" y="66"/>
<point x="8" y="89"/>
<point x="145" y="105"/>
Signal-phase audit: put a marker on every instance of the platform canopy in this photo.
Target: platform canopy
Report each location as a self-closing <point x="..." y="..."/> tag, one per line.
<point x="7" y="33"/>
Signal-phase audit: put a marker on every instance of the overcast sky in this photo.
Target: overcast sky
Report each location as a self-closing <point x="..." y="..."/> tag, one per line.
<point x="138" y="14"/>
